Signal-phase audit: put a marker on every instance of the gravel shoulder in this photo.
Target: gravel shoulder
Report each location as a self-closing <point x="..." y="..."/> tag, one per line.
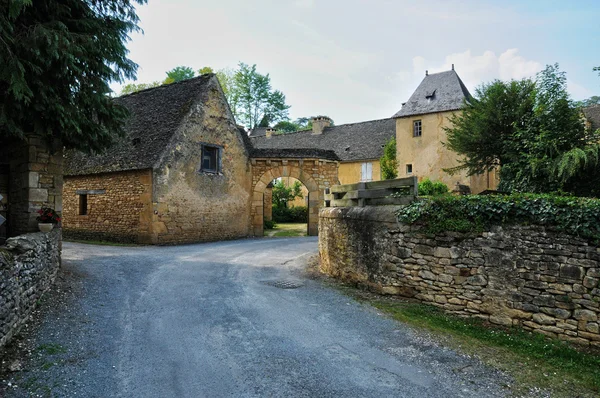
<point x="238" y="318"/>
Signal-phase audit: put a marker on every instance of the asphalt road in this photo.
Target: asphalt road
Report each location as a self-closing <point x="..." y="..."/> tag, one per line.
<point x="227" y="319"/>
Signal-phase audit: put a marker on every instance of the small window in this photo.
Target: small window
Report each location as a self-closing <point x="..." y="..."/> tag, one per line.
<point x="366" y="172"/>
<point x="83" y="205"/>
<point x="409" y="169"/>
<point x="210" y="159"/>
<point x="417" y="129"/>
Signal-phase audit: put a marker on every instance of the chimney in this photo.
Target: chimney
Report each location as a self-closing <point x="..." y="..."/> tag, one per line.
<point x="270" y="132"/>
<point x="319" y="123"/>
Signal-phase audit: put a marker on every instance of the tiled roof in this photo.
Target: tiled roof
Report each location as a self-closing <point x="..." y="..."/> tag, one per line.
<point x="592" y="114"/>
<point x="438" y="92"/>
<point x="155" y="116"/>
<point x="349" y="142"/>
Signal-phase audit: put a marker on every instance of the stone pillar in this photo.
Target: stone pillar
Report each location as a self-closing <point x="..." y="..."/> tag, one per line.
<point x="36" y="180"/>
<point x="268" y="204"/>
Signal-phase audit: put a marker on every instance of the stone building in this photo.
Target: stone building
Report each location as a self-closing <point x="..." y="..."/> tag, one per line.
<point x="181" y="173"/>
<point x="420" y="132"/>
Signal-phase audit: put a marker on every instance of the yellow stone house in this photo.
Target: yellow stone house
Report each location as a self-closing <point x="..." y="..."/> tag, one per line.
<point x="420" y="133"/>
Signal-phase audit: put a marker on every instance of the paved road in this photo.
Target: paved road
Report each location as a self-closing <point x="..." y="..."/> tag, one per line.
<point x="212" y="320"/>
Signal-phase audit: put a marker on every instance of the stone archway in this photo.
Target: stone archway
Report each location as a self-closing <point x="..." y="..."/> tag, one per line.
<point x="315" y="174"/>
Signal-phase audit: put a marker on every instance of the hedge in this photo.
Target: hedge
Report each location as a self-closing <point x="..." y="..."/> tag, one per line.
<point x="298" y="214"/>
<point x="471" y="213"/>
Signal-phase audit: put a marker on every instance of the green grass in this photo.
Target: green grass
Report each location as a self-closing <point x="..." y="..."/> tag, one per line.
<point x="287" y="229"/>
<point x="52" y="349"/>
<point x="532" y="359"/>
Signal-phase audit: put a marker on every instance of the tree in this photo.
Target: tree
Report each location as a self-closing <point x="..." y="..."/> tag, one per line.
<point x="532" y="131"/>
<point x="134" y="88"/>
<point x="283" y="194"/>
<point x="287" y="127"/>
<point x="206" y="70"/>
<point x="593" y="100"/>
<point x="178" y="74"/>
<point x="57" y="60"/>
<point x="253" y="99"/>
<point x="389" y="165"/>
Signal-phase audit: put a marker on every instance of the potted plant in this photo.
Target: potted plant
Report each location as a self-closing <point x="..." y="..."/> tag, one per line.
<point x="47" y="218"/>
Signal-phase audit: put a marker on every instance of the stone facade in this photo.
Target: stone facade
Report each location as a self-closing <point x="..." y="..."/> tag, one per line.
<point x="527" y="276"/>
<point x="315" y="174"/>
<point x="118" y="207"/>
<point x="33" y="169"/>
<point x="28" y="267"/>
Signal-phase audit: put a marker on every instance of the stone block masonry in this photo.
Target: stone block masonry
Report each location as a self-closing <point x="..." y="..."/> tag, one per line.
<point x="28" y="267"/>
<point x="527" y="276"/>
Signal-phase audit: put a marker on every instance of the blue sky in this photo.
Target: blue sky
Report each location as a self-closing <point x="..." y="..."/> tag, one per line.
<point x="359" y="60"/>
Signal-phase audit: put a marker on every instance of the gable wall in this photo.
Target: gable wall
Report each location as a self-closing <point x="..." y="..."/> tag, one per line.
<point x="192" y="206"/>
<point x="121" y="213"/>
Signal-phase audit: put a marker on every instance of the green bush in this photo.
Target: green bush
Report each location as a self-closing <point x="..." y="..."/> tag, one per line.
<point x="297" y="214"/>
<point x="471" y="213"/>
<point x="432" y="188"/>
<point x="269" y="224"/>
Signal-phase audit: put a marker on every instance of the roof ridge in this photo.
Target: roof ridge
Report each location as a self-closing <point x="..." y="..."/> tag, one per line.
<point x="330" y="127"/>
<point x="164" y="85"/>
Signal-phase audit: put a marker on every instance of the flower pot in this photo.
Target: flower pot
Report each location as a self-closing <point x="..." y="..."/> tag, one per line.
<point x="45" y="227"/>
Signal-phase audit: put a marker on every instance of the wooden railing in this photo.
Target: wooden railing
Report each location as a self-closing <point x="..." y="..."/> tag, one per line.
<point x="373" y="193"/>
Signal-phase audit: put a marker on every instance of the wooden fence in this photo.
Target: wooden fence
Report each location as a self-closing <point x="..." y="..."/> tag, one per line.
<point x="373" y="193"/>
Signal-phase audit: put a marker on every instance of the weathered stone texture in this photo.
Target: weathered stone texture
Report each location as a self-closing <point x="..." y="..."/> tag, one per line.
<point x="534" y="277"/>
<point x="121" y="210"/>
<point x="28" y="267"/>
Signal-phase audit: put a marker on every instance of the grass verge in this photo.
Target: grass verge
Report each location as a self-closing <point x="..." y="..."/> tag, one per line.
<point x="287" y="229"/>
<point x="533" y="360"/>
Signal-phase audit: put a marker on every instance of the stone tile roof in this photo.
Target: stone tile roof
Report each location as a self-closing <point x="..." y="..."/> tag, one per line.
<point x="592" y="114"/>
<point x="438" y="92"/>
<point x="155" y="116"/>
<point x="349" y="142"/>
<point x="258" y="132"/>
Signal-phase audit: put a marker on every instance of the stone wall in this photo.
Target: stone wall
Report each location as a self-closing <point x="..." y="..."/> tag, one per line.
<point x="28" y="267"/>
<point x="35" y="180"/>
<point x="119" y="207"/>
<point x="527" y="276"/>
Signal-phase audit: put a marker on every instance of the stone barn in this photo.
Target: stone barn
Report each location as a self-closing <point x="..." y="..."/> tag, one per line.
<point x="180" y="174"/>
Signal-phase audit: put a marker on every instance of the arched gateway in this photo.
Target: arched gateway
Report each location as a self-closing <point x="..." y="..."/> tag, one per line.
<point x="316" y="173"/>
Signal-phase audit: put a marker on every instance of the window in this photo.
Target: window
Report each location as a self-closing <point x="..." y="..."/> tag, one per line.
<point x="366" y="172"/>
<point x="408" y="169"/>
<point x="211" y="159"/>
<point x="83" y="205"/>
<point x="417" y="129"/>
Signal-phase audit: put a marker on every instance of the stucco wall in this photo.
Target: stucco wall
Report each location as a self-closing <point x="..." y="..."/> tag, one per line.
<point x="121" y="210"/>
<point x="428" y="155"/>
<point x="532" y="277"/>
<point x="350" y="172"/>
<point x="190" y="205"/>
<point x="28" y="267"/>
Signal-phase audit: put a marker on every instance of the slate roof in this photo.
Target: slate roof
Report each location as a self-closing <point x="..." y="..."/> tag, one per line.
<point x="592" y="114"/>
<point x="438" y="92"/>
<point x="258" y="132"/>
<point x="349" y="142"/>
<point x="155" y="115"/>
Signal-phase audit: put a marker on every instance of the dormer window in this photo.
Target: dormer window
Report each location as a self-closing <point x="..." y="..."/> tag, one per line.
<point x="417" y="128"/>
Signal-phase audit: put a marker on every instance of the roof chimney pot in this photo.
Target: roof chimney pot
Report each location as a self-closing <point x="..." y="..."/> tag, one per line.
<point x="269" y="132"/>
<point x="452" y="66"/>
<point x="426" y="72"/>
<point x="319" y="123"/>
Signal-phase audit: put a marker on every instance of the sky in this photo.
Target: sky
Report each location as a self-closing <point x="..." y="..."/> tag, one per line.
<point x="359" y="60"/>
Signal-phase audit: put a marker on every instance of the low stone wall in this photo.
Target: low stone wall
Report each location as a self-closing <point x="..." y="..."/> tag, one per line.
<point x="527" y="276"/>
<point x="28" y="267"/>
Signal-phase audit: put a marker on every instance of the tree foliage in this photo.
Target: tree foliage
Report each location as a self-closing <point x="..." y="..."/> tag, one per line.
<point x="432" y="188"/>
<point x="253" y="99"/>
<point x="593" y="100"/>
<point x="134" y="88"/>
<point x="57" y="59"/>
<point x="179" y="73"/>
<point x="532" y="131"/>
<point x="283" y="194"/>
<point x="389" y="165"/>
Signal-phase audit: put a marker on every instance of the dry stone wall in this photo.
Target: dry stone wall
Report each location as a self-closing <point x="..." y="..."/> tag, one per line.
<point x="28" y="267"/>
<point x="119" y="206"/>
<point x="528" y="276"/>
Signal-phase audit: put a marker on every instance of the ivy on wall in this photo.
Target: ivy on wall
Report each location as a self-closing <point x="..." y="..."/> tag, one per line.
<point x="471" y="213"/>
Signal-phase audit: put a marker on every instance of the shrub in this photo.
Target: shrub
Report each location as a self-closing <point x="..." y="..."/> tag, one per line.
<point x="269" y="224"/>
<point x="297" y="214"/>
<point x="432" y="188"/>
<point x="471" y="213"/>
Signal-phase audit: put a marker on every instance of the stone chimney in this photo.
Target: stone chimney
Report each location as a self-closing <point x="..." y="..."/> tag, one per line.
<point x="319" y="123"/>
<point x="269" y="132"/>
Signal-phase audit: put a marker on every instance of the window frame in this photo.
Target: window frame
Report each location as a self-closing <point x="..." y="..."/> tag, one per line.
<point x="417" y="132"/>
<point x="368" y="166"/>
<point x="409" y="165"/>
<point x="218" y="155"/>
<point x="83" y="204"/>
